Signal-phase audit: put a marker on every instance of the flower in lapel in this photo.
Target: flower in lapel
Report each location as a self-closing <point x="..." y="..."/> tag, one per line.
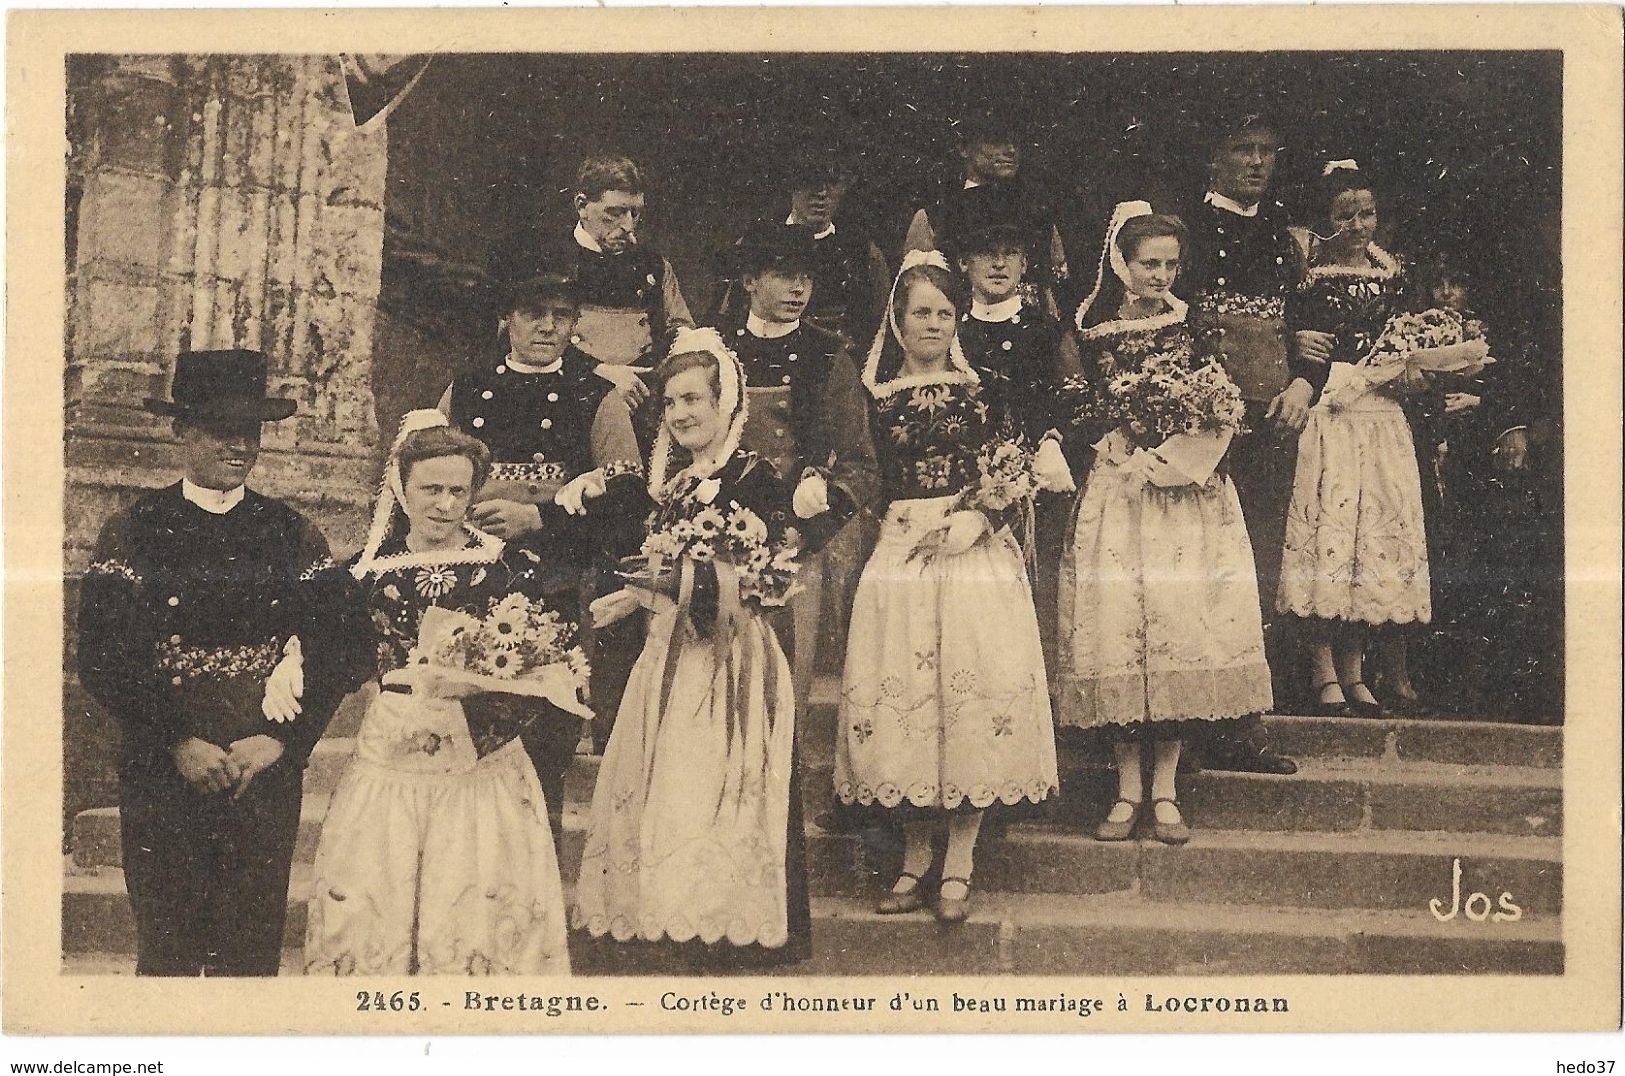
<point x="707" y="491"/>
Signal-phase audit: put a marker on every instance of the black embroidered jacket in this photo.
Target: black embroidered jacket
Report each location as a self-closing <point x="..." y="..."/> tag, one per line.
<point x="184" y="613"/>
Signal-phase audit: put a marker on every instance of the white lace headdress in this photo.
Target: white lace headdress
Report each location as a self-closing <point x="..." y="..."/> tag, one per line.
<point x="392" y="499"/>
<point x="732" y="401"/>
<point x="1111" y="255"/>
<point x="960" y="369"/>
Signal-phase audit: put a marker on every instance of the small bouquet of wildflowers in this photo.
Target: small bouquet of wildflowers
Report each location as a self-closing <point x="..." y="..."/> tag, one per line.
<point x="1169" y="394"/>
<point x="1005" y="485"/>
<point x="518" y="647"/>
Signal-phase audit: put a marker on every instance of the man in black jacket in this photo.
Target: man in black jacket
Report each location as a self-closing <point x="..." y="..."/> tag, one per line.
<point x="1242" y="264"/>
<point x="552" y="422"/>
<point x="193" y="597"/>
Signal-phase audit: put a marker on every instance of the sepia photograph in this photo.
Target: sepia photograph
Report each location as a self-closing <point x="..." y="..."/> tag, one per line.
<point x="653" y="526"/>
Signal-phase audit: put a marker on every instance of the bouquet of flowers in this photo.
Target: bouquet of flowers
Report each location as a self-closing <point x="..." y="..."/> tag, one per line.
<point x="519" y="647"/>
<point x="1006" y="483"/>
<point x="1168" y="395"/>
<point x="1435" y="341"/>
<point x="735" y="536"/>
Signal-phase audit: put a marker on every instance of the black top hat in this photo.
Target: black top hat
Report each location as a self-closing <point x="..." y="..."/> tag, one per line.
<point x="774" y="245"/>
<point x="226" y="386"/>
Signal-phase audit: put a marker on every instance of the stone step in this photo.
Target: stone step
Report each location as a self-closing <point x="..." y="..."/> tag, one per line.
<point x="1465" y="743"/>
<point x="1322" y="798"/>
<point x="1391" y="869"/>
<point x="1328" y="793"/>
<point x="1113" y="934"/>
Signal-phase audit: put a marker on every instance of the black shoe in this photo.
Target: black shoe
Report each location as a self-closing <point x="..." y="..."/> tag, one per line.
<point x="1264" y="761"/>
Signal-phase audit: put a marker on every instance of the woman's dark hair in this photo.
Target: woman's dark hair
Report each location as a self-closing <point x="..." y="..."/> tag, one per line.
<point x="1137" y="230"/>
<point x="689" y="360"/>
<point x="438" y="441"/>
<point x="952" y="285"/>
<point x="1341" y="181"/>
<point x="601" y="174"/>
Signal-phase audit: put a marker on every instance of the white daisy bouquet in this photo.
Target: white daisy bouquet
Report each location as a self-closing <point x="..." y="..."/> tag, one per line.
<point x="1434" y="341"/>
<point x="733" y="535"/>
<point x="518" y="647"/>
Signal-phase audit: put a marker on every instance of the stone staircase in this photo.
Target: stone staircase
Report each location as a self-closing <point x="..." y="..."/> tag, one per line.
<point x="1330" y="870"/>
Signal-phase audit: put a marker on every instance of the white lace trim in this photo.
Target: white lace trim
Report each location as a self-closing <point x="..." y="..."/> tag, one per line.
<point x="1177" y="309"/>
<point x="679" y="929"/>
<point x="486" y="550"/>
<point x="925" y="794"/>
<point x="1387" y="265"/>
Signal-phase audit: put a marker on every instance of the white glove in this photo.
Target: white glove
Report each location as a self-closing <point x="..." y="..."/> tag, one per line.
<point x="286" y="685"/>
<point x="1049" y="467"/>
<point x="574" y="495"/>
<point x="964" y="530"/>
<point x="614" y="607"/>
<point x="811" y="496"/>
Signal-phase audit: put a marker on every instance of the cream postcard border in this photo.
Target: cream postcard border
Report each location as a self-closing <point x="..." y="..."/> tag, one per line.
<point x="39" y="998"/>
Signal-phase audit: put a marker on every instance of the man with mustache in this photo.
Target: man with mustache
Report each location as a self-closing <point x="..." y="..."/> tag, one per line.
<point x="194" y="595"/>
<point x="1242" y="264"/>
<point x="631" y="304"/>
<point x="559" y="434"/>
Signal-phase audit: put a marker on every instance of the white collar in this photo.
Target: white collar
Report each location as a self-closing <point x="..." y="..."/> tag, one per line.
<point x="1000" y="311"/>
<point x="972" y="184"/>
<point x="1383" y="267"/>
<point x="519" y="367"/>
<point x="215" y="501"/>
<point x="1177" y="309"/>
<point x="1230" y="205"/>
<point x="763" y="329"/>
<point x="585" y="240"/>
<point x="828" y="229"/>
<point x="486" y="548"/>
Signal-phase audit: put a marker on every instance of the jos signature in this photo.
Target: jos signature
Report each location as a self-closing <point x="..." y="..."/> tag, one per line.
<point x="1476" y="907"/>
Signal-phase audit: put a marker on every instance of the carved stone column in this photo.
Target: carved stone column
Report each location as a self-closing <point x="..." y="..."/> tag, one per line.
<point x="213" y="202"/>
<point x="221" y="202"/>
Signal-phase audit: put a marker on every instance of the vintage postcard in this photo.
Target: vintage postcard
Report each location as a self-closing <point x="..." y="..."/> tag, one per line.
<point x="726" y="520"/>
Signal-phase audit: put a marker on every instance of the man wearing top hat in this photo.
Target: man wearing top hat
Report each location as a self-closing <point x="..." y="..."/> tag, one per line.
<point x="850" y="276"/>
<point x="1242" y="264"/>
<point x="194" y="595"/>
<point x="631" y="304"/>
<point x="559" y="434"/>
<point x="808" y="411"/>
<point x="991" y="183"/>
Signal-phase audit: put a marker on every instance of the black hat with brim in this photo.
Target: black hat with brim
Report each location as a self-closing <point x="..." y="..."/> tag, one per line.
<point x="530" y="293"/>
<point x="225" y="386"/>
<point x="773" y="245"/>
<point x="986" y="217"/>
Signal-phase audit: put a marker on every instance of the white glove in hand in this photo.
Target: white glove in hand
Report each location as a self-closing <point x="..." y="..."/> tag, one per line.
<point x="614" y="607"/>
<point x="964" y="530"/>
<point x="811" y="497"/>
<point x="575" y="494"/>
<point x="286" y="685"/>
<point x="1049" y="466"/>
